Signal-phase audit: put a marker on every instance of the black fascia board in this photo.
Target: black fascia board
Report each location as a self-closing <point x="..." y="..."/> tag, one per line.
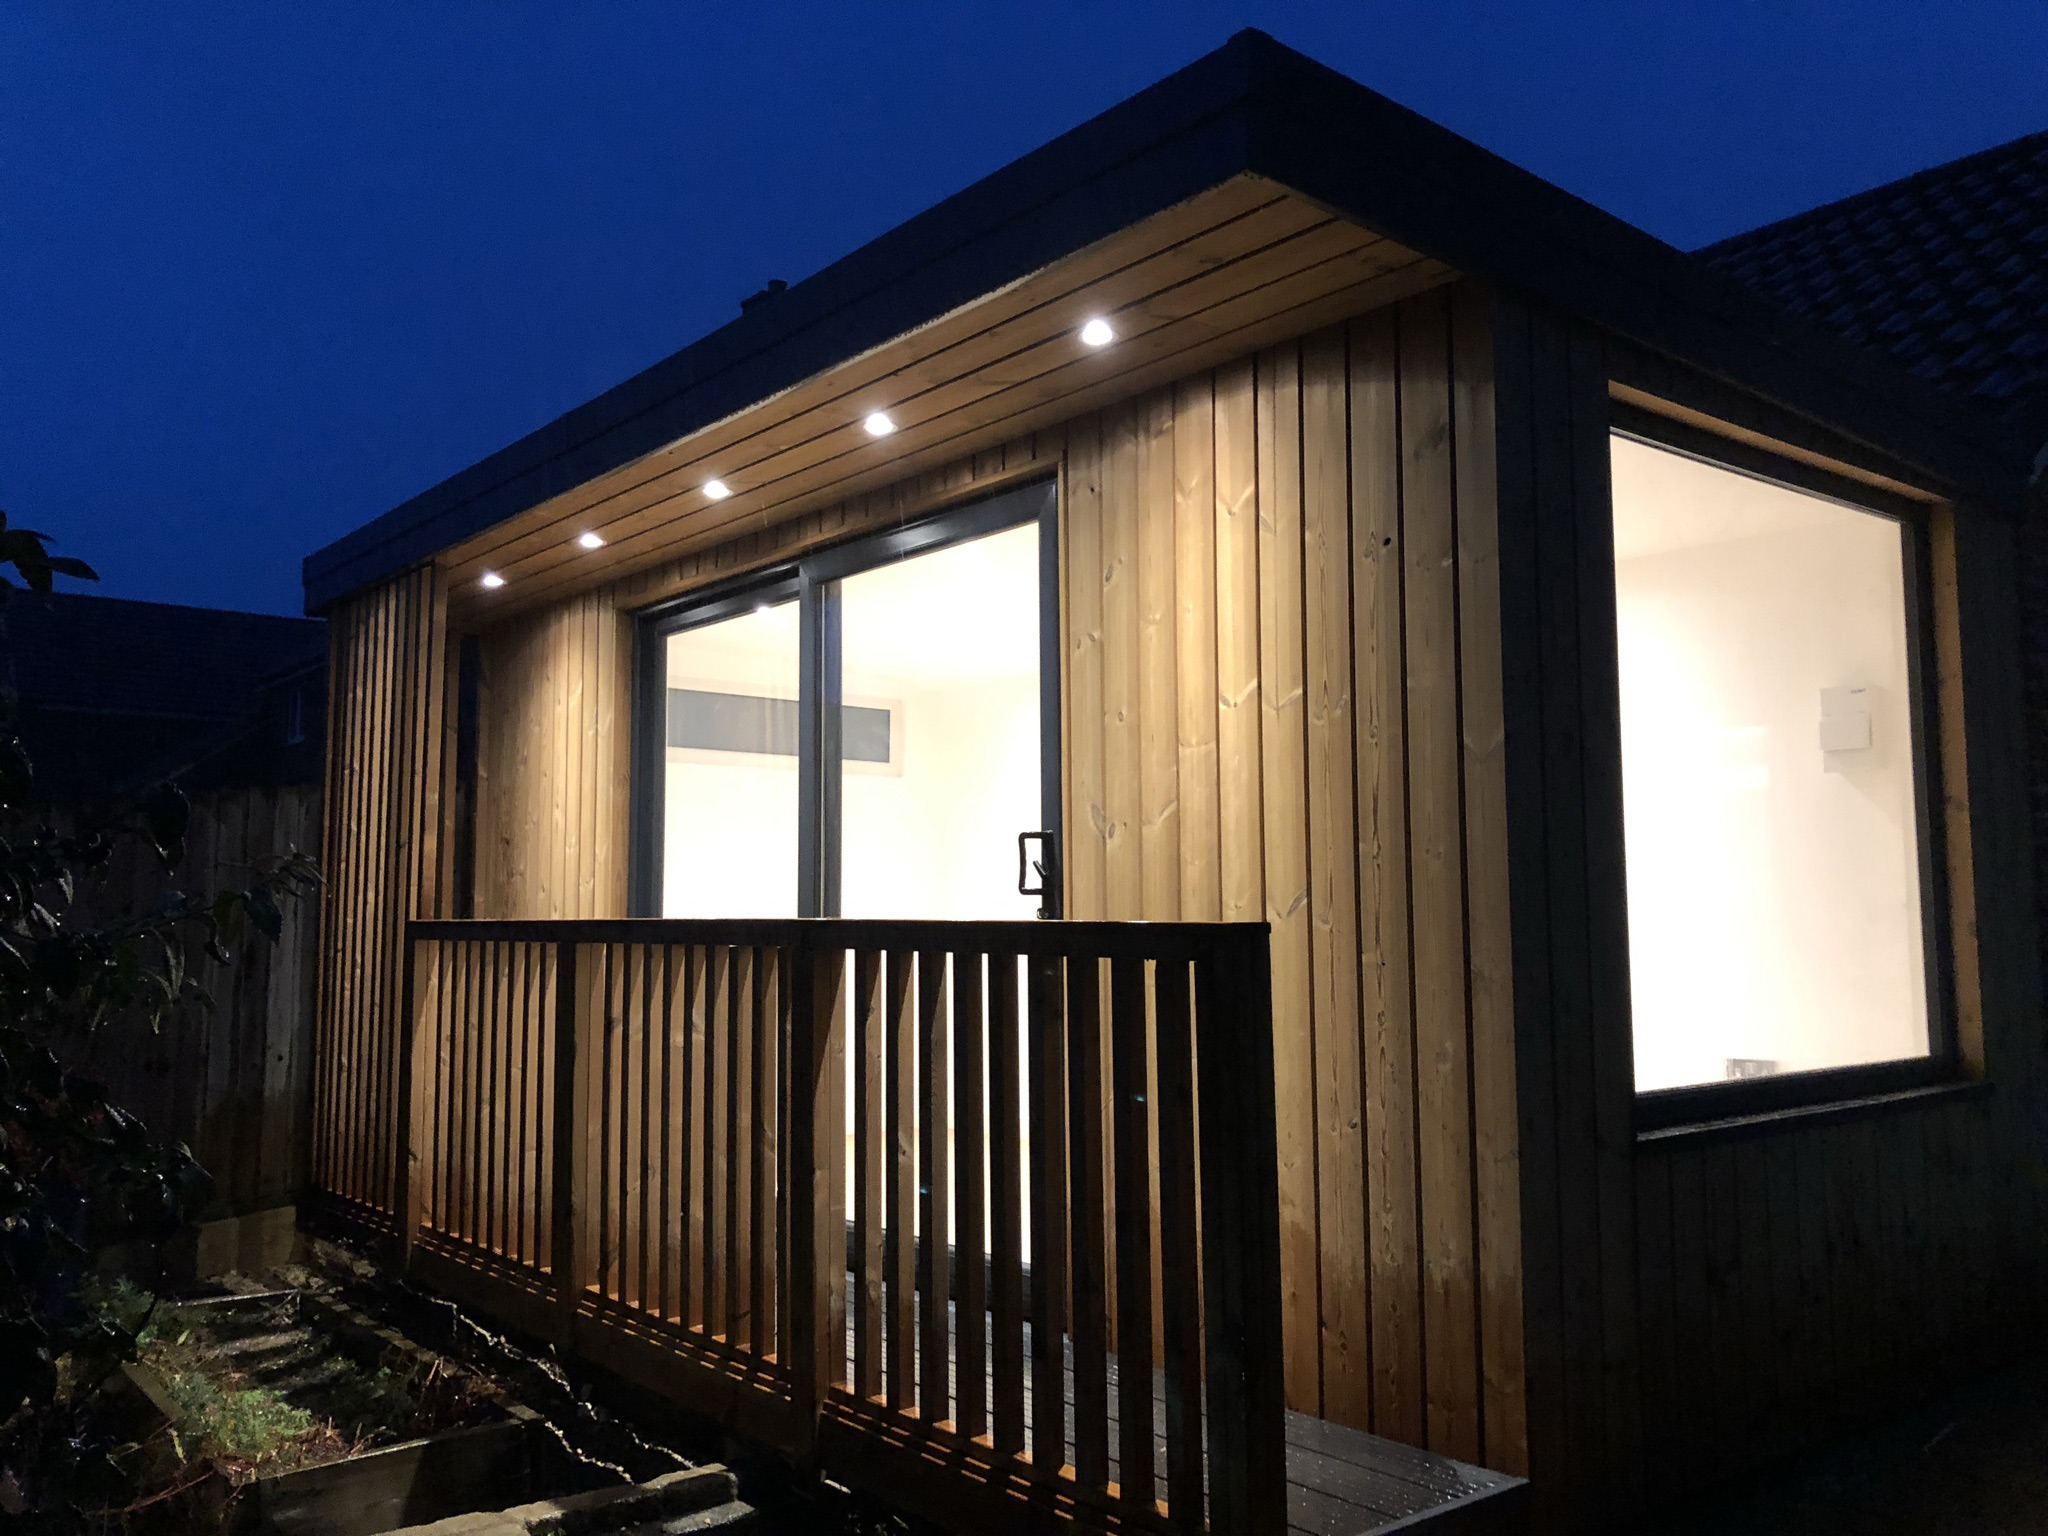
<point x="1369" y="159"/>
<point x="1251" y="106"/>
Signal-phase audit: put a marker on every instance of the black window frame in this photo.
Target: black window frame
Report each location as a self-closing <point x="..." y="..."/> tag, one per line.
<point x="812" y="580"/>
<point x="1666" y="1108"/>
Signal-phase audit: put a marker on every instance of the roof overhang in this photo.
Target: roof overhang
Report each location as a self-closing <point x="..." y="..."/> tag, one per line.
<point x="1252" y="196"/>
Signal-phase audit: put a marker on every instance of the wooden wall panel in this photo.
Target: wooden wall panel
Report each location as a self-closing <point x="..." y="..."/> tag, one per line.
<point x="1702" y="1300"/>
<point x="1338" y="643"/>
<point x="1316" y="540"/>
<point x="554" y="711"/>
<point x="387" y="649"/>
<point x="1263" y="578"/>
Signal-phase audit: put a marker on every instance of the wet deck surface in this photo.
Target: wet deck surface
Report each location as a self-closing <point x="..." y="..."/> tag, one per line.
<point x="1340" y="1481"/>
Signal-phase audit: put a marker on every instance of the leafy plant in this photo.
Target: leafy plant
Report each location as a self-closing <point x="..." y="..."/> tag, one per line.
<point x="77" y="1173"/>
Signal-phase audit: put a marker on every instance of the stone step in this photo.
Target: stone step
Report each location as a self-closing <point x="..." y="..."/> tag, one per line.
<point x="695" y="1499"/>
<point x="729" y="1516"/>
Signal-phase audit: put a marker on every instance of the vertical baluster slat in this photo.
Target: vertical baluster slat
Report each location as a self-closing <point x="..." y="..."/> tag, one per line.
<point x="490" y="1040"/>
<point x="767" y="1008"/>
<point x="1134" y="1206"/>
<point x="501" y="1062"/>
<point x="562" y="1256"/>
<point x="716" y="1143"/>
<point x="608" y="1155"/>
<point x="690" y="1267"/>
<point x="970" y="1212"/>
<point x="646" y="1167"/>
<point x="900" y="1108"/>
<point x="480" y="1090"/>
<point x="1046" y="1032"/>
<point x="519" y="1126"/>
<point x="671" y="1106"/>
<point x="935" y="1199"/>
<point x="444" y="1081"/>
<point x="1087" y="1207"/>
<point x="472" y="1090"/>
<point x="868" y="1205"/>
<point x="501" y="1094"/>
<point x="587" y="1116"/>
<point x="785" y="1151"/>
<point x="746" y="997"/>
<point x="1241" y="1295"/>
<point x="1180" y="1255"/>
<point x="546" y="1026"/>
<point x="1006" y="1206"/>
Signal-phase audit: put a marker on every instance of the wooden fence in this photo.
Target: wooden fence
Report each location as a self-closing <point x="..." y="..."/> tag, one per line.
<point x="232" y="1080"/>
<point x="982" y="1213"/>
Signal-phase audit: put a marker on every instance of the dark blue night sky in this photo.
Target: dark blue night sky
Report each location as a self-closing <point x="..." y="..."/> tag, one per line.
<point x="267" y="270"/>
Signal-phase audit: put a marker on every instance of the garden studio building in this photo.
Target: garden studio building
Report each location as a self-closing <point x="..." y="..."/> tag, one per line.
<point x="1261" y="754"/>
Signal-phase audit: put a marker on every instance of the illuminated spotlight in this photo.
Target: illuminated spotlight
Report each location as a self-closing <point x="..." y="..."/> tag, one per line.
<point x="717" y="490"/>
<point x="879" y="424"/>
<point x="764" y="608"/>
<point x="591" y="540"/>
<point x="490" y="581"/>
<point x="1098" y="333"/>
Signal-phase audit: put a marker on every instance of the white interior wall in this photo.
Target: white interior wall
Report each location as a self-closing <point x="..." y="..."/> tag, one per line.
<point x="729" y="822"/>
<point x="1773" y="887"/>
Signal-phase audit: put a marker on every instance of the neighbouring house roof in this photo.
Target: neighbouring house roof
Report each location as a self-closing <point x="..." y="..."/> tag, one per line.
<point x="1944" y="271"/>
<point x="1252" y="109"/>
<point x="112" y="695"/>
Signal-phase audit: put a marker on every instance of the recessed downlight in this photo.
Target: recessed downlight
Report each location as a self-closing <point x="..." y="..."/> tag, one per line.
<point x="1097" y="333"/>
<point x="879" y="424"/>
<point x="490" y="581"/>
<point x="591" y="540"/>
<point x="717" y="490"/>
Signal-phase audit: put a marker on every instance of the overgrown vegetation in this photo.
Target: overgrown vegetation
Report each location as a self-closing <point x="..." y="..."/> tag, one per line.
<point x="78" y="1174"/>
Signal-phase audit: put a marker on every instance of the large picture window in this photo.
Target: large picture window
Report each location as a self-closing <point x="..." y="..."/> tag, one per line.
<point x="1774" y="802"/>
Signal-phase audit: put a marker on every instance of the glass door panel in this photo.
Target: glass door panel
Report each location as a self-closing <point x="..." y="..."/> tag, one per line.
<point x="730" y="812"/>
<point x="940" y="762"/>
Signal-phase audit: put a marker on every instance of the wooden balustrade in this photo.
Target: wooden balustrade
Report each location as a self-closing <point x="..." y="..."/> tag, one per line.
<point x="985" y="1212"/>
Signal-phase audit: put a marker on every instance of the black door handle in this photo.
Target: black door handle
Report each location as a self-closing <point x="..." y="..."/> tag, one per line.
<point x="1045" y="868"/>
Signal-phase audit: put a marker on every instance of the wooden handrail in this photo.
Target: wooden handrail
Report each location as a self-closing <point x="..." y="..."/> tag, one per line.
<point x="1069" y="940"/>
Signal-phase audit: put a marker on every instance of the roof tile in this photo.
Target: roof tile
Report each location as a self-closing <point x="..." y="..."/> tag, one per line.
<point x="1945" y="270"/>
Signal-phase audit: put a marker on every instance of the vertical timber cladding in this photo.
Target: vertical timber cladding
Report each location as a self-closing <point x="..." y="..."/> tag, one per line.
<point x="382" y="864"/>
<point x="1284" y="701"/>
<point x="554" y="721"/>
<point x="1701" y="1302"/>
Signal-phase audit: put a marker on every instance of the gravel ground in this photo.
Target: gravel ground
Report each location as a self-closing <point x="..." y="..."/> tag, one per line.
<point x="1970" y="1463"/>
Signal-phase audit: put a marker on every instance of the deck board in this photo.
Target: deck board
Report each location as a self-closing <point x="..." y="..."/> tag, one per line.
<point x="1340" y="1481"/>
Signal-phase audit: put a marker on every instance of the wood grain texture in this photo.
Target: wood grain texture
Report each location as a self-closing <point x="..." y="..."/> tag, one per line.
<point x="1338" y="631"/>
<point x="1298" y="660"/>
<point x="233" y="1082"/>
<point x="380" y="852"/>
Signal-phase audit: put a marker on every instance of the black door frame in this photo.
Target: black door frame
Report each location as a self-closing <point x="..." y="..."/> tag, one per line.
<point x="812" y="581"/>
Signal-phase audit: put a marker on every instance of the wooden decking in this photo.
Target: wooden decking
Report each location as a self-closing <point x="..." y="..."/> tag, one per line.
<point x="1340" y="1481"/>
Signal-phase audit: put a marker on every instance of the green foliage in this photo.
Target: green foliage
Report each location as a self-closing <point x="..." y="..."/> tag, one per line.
<point x="247" y="1428"/>
<point x="79" y="1174"/>
<point x="122" y="1305"/>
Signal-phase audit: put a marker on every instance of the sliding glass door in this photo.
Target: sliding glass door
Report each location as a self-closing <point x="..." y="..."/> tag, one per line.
<point x="871" y="732"/>
<point x="729" y="770"/>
